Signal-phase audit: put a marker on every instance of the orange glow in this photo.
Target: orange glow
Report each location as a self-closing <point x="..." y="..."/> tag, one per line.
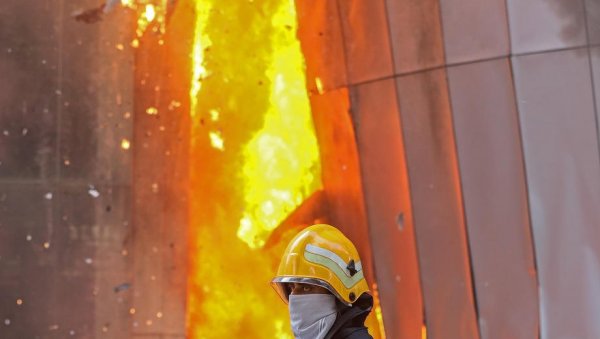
<point x="254" y="160"/>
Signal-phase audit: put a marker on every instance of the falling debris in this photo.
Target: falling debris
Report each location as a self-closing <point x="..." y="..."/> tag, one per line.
<point x="123" y="287"/>
<point x="95" y="14"/>
<point x="90" y="16"/>
<point x="93" y="192"/>
<point x="110" y="5"/>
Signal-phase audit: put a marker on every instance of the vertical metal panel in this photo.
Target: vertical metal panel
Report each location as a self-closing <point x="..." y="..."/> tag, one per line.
<point x="340" y="168"/>
<point x="561" y="156"/>
<point x="320" y="33"/>
<point x="538" y="25"/>
<point x="495" y="196"/>
<point x="341" y="171"/>
<point x="592" y="11"/>
<point x="161" y="183"/>
<point x="474" y="29"/>
<point x="415" y="34"/>
<point x="366" y="39"/>
<point x="90" y="235"/>
<point x="595" y="59"/>
<point x="389" y="213"/>
<point x="63" y="95"/>
<point x="28" y="98"/>
<point x="28" y="270"/>
<point x="437" y="205"/>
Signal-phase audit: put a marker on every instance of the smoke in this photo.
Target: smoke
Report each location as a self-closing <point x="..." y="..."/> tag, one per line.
<point x="575" y="14"/>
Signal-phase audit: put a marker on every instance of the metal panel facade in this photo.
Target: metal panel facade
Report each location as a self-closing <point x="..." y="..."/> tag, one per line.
<point x="437" y="205"/>
<point x="556" y="109"/>
<point x="495" y="195"/>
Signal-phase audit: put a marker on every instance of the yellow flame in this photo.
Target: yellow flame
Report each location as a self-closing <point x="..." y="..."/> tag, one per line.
<point x="201" y="43"/>
<point x="248" y="83"/>
<point x="281" y="165"/>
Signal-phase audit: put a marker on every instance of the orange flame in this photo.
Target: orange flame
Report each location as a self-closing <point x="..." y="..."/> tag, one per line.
<point x="254" y="160"/>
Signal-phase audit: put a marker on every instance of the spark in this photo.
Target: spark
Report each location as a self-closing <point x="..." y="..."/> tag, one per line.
<point x="125" y="144"/>
<point x="319" y="85"/>
<point x="150" y="12"/>
<point x="216" y="140"/>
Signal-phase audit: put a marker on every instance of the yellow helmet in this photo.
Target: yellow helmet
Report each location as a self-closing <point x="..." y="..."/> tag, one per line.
<point x="321" y="255"/>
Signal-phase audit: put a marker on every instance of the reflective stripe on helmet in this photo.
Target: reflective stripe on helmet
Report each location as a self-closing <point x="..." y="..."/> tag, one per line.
<point x="334" y="263"/>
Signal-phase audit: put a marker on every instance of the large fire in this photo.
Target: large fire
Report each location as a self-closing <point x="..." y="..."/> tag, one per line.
<point x="254" y="160"/>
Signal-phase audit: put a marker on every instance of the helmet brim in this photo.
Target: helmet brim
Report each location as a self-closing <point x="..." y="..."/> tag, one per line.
<point x="279" y="284"/>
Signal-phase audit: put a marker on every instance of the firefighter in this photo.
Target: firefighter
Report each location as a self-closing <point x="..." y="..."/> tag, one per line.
<point x="321" y="279"/>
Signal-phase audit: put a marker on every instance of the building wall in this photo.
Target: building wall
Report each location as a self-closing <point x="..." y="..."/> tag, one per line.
<point x="476" y="123"/>
<point x="66" y="100"/>
<point x="92" y="188"/>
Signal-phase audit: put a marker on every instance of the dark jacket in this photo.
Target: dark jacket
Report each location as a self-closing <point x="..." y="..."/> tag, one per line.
<point x="350" y="321"/>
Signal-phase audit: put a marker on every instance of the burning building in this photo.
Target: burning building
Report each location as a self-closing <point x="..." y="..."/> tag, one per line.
<point x="157" y="155"/>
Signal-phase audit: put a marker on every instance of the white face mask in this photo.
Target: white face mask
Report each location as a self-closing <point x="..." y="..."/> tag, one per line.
<point x="312" y="315"/>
